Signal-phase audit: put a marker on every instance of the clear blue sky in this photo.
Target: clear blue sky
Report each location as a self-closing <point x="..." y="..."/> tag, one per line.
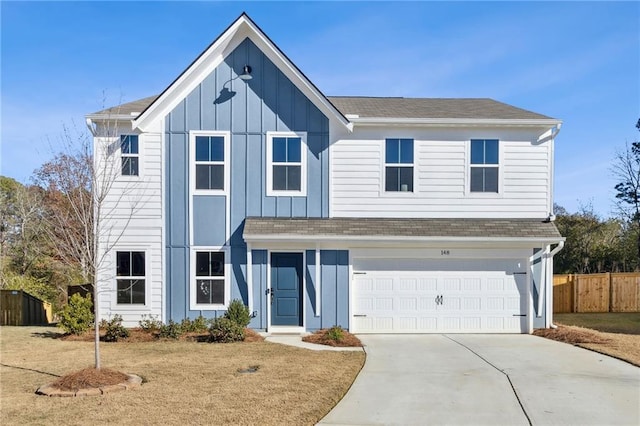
<point x="577" y="61"/>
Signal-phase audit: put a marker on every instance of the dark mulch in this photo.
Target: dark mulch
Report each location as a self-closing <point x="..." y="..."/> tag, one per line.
<point x="89" y="378"/>
<point x="321" y="337"/>
<point x="137" y="335"/>
<point x="252" y="336"/>
<point x="572" y="335"/>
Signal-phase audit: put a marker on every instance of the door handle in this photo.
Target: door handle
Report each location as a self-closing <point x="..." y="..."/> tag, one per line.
<point x="439" y="299"/>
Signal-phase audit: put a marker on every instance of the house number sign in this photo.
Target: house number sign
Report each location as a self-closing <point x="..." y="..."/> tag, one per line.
<point x="445" y="252"/>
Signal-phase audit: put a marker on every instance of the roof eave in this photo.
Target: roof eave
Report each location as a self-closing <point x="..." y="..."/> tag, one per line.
<point x="396" y="239"/>
<point x="457" y="122"/>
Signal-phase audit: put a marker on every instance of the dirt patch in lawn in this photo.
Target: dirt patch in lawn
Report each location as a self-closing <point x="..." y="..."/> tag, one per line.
<point x="623" y="346"/>
<point x="185" y="382"/>
<point x="323" y="337"/>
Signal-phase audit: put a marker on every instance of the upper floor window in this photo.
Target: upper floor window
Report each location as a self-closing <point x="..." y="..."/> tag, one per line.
<point x="286" y="164"/>
<point x="130" y="155"/>
<point x="209" y="161"/>
<point x="398" y="165"/>
<point x="484" y="165"/>
<point x="210" y="286"/>
<point x="130" y="277"/>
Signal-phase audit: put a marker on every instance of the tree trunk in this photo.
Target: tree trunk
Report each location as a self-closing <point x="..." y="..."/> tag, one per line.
<point x="96" y="323"/>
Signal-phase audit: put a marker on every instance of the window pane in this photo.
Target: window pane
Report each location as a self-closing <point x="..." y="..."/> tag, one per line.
<point x="202" y="264"/>
<point x="279" y="150"/>
<point x="477" y="179"/>
<point x="125" y="145"/>
<point x="294" y="147"/>
<point x="216" y="174"/>
<point x="477" y="151"/>
<point x="202" y="148"/>
<point x="217" y="148"/>
<point x="124" y="291"/>
<point x="126" y="166"/>
<point x="392" y="179"/>
<point x="137" y="292"/>
<point x="406" y="179"/>
<point x="203" y="292"/>
<point x="123" y="263"/>
<point x="279" y="178"/>
<point x="490" y="179"/>
<point x="217" y="291"/>
<point x="392" y="151"/>
<point x="202" y="177"/>
<point x="133" y="169"/>
<point x="293" y="178"/>
<point x="217" y="264"/>
<point x="406" y="151"/>
<point x="491" y="152"/>
<point x="137" y="264"/>
<point x="133" y="144"/>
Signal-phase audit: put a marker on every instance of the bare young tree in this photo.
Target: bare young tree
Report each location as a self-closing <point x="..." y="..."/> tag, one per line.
<point x="626" y="169"/>
<point x="84" y="198"/>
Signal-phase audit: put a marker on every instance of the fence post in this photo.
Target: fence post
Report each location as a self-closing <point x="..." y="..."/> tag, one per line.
<point x="576" y="289"/>
<point x="610" y="292"/>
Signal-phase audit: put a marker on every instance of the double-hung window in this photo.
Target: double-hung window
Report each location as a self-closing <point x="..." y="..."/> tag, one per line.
<point x="129" y="150"/>
<point x="286" y="164"/>
<point x="130" y="277"/>
<point x="210" y="285"/>
<point x="209" y="162"/>
<point x="398" y="165"/>
<point x="484" y="165"/>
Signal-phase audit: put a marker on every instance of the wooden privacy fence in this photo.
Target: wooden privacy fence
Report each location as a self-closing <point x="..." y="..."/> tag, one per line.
<point x="20" y="308"/>
<point x="608" y="292"/>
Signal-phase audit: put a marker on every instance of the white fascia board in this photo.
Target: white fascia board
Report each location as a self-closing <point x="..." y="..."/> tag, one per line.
<point x="457" y="122"/>
<point x="215" y="55"/>
<point x="399" y="239"/>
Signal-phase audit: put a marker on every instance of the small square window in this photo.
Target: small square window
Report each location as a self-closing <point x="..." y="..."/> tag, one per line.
<point x="131" y="281"/>
<point x="210" y="278"/>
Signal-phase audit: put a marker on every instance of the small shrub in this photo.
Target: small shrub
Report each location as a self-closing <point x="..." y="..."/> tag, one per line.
<point x="225" y="330"/>
<point x="335" y="333"/>
<point x="114" y="329"/>
<point x="198" y="325"/>
<point x="77" y="316"/>
<point x="170" y="330"/>
<point x="238" y="313"/>
<point x="151" y="324"/>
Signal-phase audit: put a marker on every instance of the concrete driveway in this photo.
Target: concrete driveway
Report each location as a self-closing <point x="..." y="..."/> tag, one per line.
<point x="487" y="380"/>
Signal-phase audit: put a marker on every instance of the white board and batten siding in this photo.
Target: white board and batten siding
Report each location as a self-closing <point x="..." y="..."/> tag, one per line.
<point x="441" y="176"/>
<point x="133" y="221"/>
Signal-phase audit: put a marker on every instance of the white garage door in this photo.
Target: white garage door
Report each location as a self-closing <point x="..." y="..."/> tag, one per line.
<point x="421" y="296"/>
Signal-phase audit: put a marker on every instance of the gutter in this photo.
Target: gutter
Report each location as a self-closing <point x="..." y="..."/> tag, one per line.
<point x="456" y="122"/>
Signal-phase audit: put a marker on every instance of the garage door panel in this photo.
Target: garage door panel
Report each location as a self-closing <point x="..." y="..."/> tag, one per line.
<point x="414" y="301"/>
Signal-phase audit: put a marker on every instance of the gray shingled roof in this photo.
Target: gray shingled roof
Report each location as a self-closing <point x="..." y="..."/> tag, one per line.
<point x="256" y="227"/>
<point x="366" y="107"/>
<point x="430" y="108"/>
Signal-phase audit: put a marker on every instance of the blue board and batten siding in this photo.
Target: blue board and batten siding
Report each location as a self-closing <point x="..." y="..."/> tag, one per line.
<point x="248" y="110"/>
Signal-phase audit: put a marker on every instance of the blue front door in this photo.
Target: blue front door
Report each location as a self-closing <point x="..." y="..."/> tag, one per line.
<point x="286" y="289"/>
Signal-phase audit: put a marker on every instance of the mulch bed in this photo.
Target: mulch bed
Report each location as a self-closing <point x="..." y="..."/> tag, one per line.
<point x="90" y="378"/>
<point x="321" y="337"/>
<point x="137" y="335"/>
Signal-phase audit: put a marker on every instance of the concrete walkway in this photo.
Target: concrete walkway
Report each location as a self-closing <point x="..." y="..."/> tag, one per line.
<point x="487" y="380"/>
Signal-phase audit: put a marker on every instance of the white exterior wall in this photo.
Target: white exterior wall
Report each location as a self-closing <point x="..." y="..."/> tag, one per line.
<point x="132" y="220"/>
<point x="441" y="175"/>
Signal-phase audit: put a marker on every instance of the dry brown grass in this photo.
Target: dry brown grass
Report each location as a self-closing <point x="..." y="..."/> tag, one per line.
<point x="623" y="346"/>
<point x="185" y="382"/>
<point x="321" y="337"/>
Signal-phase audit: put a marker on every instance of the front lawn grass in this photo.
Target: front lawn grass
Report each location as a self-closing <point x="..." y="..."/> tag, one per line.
<point x="184" y="382"/>
<point x="611" y="322"/>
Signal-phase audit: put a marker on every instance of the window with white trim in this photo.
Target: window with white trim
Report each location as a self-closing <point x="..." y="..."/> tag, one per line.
<point x="286" y="164"/>
<point x="210" y="278"/>
<point x="209" y="162"/>
<point x="484" y="165"/>
<point x="398" y="165"/>
<point x="129" y="150"/>
<point x="130" y="277"/>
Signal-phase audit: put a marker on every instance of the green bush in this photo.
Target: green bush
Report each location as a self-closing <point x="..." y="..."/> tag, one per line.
<point x="238" y="313"/>
<point x="335" y="333"/>
<point x="170" y="330"/>
<point x="77" y="316"/>
<point x="225" y="330"/>
<point x="198" y="325"/>
<point x="114" y="329"/>
<point x="151" y="324"/>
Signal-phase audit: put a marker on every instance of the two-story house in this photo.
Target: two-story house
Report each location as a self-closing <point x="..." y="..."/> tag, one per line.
<point x="242" y="180"/>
